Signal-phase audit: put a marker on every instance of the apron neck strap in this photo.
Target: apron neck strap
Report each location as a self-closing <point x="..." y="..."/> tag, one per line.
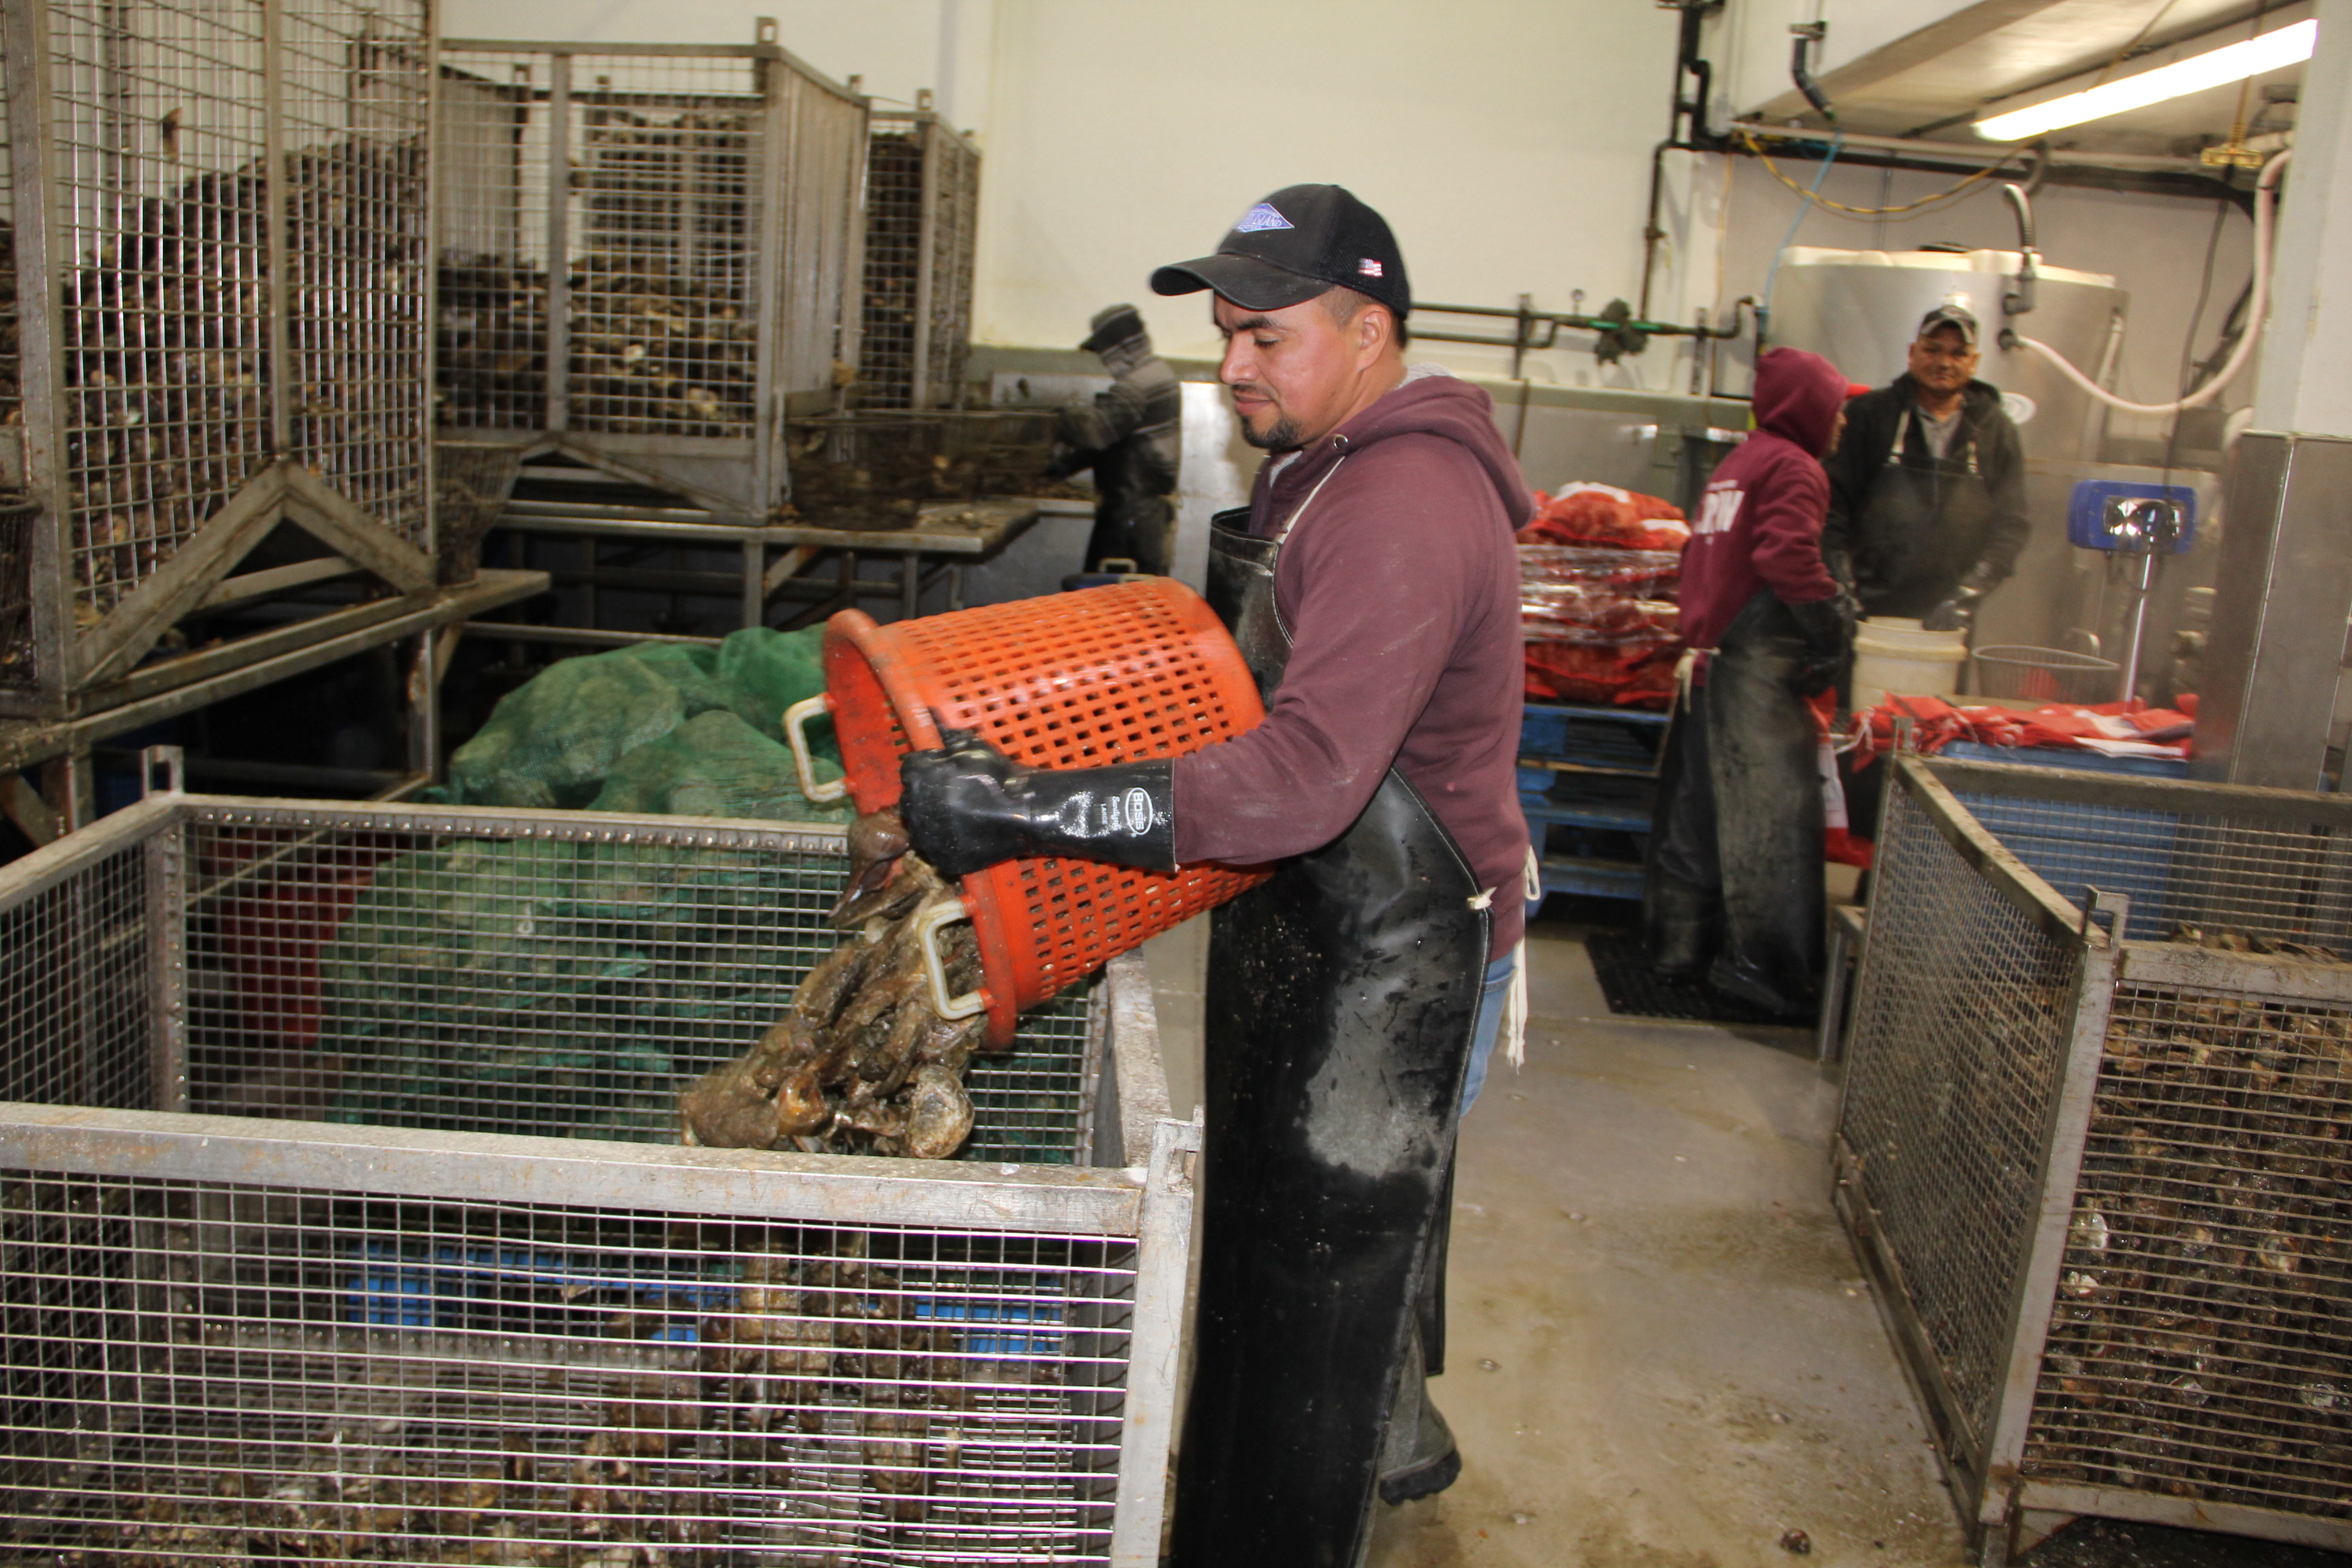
<point x="1301" y="509"/>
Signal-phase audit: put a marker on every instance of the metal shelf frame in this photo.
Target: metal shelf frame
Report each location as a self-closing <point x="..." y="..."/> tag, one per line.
<point x="776" y="561"/>
<point x="46" y="778"/>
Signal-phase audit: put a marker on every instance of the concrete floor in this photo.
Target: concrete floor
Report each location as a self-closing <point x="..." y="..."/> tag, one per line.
<point x="1662" y="1354"/>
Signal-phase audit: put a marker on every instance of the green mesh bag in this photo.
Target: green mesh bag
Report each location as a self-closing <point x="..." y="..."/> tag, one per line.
<point x="715" y="765"/>
<point x="562" y="990"/>
<point x="557" y="740"/>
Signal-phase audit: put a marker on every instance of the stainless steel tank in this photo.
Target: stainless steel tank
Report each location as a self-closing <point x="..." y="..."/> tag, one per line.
<point x="1860" y="307"/>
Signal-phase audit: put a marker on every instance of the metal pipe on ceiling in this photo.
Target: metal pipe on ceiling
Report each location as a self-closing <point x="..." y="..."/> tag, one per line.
<point x="2135" y="163"/>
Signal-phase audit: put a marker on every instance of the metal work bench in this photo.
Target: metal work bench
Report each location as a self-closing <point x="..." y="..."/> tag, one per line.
<point x="1592" y="770"/>
<point x="775" y="559"/>
<point x="58" y="749"/>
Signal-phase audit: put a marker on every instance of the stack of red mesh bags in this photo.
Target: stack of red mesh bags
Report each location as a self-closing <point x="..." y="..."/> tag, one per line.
<point x="1599" y="571"/>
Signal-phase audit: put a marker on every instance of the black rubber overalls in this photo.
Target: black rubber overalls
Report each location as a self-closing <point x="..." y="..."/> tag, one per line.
<point x="1341" y="997"/>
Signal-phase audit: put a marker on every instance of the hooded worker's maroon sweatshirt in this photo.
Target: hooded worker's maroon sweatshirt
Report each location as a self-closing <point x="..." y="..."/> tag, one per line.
<point x="1760" y="520"/>
<point x="1400" y="587"/>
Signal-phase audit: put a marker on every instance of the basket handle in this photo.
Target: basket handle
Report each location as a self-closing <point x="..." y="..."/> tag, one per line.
<point x="795" y="715"/>
<point x="946" y="913"/>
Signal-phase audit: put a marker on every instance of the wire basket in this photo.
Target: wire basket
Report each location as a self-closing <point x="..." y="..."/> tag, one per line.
<point x="2044" y="674"/>
<point x="646" y="253"/>
<point x="2091" y="1148"/>
<point x="922" y="208"/>
<point x="217" y="229"/>
<point x="326" y="1229"/>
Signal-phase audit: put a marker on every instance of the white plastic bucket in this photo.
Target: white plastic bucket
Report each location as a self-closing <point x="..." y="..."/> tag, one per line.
<point x="1891" y="654"/>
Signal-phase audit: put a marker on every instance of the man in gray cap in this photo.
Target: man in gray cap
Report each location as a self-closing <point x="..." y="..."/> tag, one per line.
<point x="1131" y="436"/>
<point x="1927" y="485"/>
<point x="1372" y="588"/>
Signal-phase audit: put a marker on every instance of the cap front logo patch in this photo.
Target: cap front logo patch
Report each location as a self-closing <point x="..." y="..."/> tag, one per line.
<point x="1369" y="268"/>
<point x="1260" y="217"/>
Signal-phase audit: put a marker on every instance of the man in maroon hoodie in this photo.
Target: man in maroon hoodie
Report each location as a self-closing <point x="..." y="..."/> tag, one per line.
<point x="1734" y="891"/>
<point x="1372" y="588"/>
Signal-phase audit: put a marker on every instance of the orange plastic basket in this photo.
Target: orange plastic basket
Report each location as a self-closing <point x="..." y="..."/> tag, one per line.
<point x="1069" y="681"/>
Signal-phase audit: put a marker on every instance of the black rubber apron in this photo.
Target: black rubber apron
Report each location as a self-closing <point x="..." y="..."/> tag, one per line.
<point x="1341" y="997"/>
<point x="1923" y="525"/>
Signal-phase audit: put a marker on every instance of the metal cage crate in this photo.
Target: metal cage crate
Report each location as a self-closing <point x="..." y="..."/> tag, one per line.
<point x="2099" y="1176"/>
<point x="646" y="253"/>
<point x="218" y="233"/>
<point x="290" y="1267"/>
<point x="922" y="211"/>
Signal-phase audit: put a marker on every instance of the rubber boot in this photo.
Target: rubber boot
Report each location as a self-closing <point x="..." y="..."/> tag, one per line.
<point x="1419" y="1458"/>
<point x="1679" y="922"/>
<point x="1745" y="983"/>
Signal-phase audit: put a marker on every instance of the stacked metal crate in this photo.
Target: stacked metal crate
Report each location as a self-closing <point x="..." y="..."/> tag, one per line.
<point x="296" y="1259"/>
<point x="646" y="253"/>
<point x="219" y="224"/>
<point x="922" y="211"/>
<point x="2096" y="1142"/>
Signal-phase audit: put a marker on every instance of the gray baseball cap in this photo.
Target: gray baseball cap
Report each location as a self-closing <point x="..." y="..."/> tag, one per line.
<point x="1949" y="316"/>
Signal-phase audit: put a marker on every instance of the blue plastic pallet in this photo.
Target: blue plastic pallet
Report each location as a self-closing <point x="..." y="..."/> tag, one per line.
<point x="1586" y="767"/>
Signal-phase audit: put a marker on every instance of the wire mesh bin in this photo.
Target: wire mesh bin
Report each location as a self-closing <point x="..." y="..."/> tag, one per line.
<point x="332" y="1227"/>
<point x="646" y="252"/>
<point x="922" y="212"/>
<point x="2093" y="1149"/>
<point x="218" y="232"/>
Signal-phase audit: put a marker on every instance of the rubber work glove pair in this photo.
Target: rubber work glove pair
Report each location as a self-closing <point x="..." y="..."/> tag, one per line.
<point x="967" y="806"/>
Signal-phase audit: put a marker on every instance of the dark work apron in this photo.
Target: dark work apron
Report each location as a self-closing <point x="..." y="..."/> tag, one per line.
<point x="1922" y="526"/>
<point x="1342" y="996"/>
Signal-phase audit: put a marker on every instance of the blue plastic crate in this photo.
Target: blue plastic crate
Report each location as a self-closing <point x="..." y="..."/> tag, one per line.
<point x="1043" y="1340"/>
<point x="2075" y="847"/>
<point x="394" y="1288"/>
<point x="2065" y="757"/>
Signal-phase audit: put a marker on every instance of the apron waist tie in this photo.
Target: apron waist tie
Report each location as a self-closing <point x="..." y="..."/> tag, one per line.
<point x="1686" y="670"/>
<point x="1511" y="1036"/>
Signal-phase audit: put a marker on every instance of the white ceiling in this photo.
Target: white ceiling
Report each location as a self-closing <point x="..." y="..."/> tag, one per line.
<point x="2006" y="54"/>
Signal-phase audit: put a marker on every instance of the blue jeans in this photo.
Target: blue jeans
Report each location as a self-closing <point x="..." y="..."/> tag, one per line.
<point x="1490" y="1023"/>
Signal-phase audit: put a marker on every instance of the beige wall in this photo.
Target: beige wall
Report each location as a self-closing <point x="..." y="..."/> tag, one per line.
<point x="1508" y="142"/>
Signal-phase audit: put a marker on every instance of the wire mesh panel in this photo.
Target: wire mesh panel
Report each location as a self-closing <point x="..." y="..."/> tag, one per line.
<point x="315" y="1321"/>
<point x="196" y="1371"/>
<point x="566" y="985"/>
<point x="77" y="988"/>
<point x="2114" y="1225"/>
<point x="223" y="250"/>
<point x="356" y="96"/>
<point x="923" y="203"/>
<point x="2201" y="1347"/>
<point x="1961" y="1014"/>
<point x="643" y="252"/>
<point x="2278" y="878"/>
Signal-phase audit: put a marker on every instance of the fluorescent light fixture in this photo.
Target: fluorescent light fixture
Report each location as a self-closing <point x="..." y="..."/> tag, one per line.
<point x="2217" y="68"/>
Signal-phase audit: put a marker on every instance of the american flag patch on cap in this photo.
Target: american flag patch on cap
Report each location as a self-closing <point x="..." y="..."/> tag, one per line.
<point x="1369" y="268"/>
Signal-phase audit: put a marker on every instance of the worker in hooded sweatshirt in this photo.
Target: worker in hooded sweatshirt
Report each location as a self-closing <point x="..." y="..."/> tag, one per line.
<point x="1373" y="590"/>
<point x="1733" y="896"/>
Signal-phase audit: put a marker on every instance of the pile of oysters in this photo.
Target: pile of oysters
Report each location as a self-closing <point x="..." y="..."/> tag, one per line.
<point x="862" y="1063"/>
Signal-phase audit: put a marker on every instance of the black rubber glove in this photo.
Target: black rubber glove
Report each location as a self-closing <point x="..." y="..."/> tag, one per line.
<point x="1827" y="626"/>
<point x="968" y="806"/>
<point x="1840" y="566"/>
<point x="1958" y="613"/>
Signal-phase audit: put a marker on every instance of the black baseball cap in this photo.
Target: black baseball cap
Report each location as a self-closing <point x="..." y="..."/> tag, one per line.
<point x="1298" y="244"/>
<point x="1949" y="316"/>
